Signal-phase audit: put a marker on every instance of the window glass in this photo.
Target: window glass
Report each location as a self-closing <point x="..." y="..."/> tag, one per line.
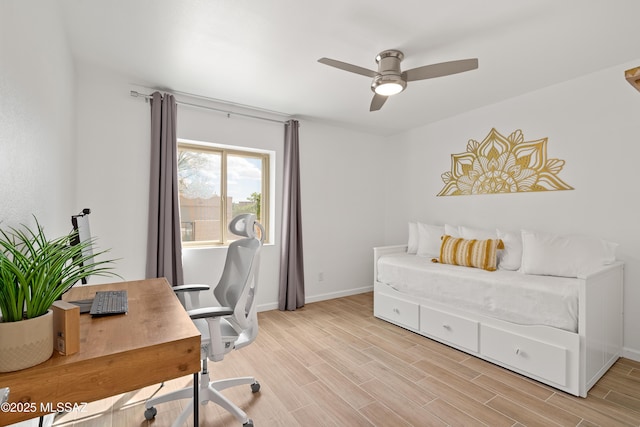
<point x="216" y="184"/>
<point x="244" y="186"/>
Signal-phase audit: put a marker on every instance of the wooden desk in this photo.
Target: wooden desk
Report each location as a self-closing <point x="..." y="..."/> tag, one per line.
<point x="154" y="342"/>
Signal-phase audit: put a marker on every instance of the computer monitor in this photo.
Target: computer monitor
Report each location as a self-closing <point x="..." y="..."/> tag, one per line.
<point x="80" y="224"/>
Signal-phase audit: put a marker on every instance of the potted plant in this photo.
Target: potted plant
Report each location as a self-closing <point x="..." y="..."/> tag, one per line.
<point x="35" y="272"/>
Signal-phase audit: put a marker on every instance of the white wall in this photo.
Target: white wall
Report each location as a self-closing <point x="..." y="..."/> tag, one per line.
<point x="343" y="208"/>
<point x="204" y="265"/>
<point x="338" y="181"/>
<point x="113" y="167"/>
<point x="37" y="116"/>
<point x="341" y="187"/>
<point x="37" y="122"/>
<point x="592" y="122"/>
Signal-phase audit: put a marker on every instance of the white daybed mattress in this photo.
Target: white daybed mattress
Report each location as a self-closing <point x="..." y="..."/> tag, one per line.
<point x="508" y="295"/>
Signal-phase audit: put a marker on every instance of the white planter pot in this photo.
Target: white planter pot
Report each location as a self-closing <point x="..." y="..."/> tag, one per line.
<point x="26" y="343"/>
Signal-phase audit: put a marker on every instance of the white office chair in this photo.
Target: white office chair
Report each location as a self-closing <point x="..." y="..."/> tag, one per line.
<point x="231" y="325"/>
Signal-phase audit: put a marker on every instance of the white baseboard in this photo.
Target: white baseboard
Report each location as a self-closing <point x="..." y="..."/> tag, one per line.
<point x="332" y="295"/>
<point x="267" y="307"/>
<point x="631" y="354"/>
<point x="321" y="297"/>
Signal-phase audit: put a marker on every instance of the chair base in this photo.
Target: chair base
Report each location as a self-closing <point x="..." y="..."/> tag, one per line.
<point x="209" y="391"/>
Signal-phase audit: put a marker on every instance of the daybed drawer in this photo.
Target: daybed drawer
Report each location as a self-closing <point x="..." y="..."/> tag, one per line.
<point x="401" y="312"/>
<point x="539" y="358"/>
<point x="450" y="328"/>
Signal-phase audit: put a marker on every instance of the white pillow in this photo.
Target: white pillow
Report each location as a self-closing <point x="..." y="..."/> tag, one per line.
<point x="510" y="258"/>
<point x="452" y="230"/>
<point x="567" y="256"/>
<point x="412" y="245"/>
<point x="429" y="239"/>
<point x="477" y="233"/>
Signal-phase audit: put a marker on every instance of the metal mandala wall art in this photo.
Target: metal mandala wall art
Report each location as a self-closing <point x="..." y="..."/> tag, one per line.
<point x="501" y="164"/>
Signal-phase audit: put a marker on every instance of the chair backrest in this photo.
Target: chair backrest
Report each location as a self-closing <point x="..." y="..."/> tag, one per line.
<point x="238" y="284"/>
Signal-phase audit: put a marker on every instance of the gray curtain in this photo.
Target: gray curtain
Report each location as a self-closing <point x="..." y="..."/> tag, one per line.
<point x="164" y="248"/>
<point x="291" y="294"/>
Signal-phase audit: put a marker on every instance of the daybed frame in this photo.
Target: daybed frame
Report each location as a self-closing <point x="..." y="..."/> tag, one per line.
<point x="568" y="361"/>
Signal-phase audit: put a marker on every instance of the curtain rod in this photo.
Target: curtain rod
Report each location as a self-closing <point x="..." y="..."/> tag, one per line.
<point x="146" y="97"/>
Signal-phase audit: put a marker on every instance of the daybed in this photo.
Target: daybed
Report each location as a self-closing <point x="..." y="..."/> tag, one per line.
<point x="552" y="311"/>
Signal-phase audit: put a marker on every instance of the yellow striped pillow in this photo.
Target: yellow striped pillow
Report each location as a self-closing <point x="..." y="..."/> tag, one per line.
<point x="470" y="253"/>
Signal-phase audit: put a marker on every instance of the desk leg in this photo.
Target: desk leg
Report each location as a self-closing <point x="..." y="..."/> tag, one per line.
<point x="196" y="403"/>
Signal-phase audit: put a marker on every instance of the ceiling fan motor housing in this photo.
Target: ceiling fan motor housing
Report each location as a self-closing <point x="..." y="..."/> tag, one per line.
<point x="389" y="69"/>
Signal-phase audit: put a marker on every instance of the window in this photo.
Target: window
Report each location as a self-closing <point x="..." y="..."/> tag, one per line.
<point x="215" y="184"/>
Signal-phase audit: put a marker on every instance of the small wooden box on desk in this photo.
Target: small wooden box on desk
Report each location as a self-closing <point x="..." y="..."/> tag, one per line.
<point x="66" y="327"/>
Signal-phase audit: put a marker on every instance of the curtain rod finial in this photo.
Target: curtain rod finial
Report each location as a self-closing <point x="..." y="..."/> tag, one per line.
<point x="137" y="94"/>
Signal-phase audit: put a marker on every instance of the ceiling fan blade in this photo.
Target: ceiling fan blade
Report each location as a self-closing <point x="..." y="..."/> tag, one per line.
<point x="348" y="67"/>
<point x="377" y="102"/>
<point x="441" y="69"/>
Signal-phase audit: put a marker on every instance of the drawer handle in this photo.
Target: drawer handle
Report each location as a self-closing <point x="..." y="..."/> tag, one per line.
<point x="517" y="350"/>
<point x="396" y="311"/>
<point x="447" y="327"/>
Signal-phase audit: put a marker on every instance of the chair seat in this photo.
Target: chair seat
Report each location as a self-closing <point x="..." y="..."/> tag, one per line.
<point x="228" y="334"/>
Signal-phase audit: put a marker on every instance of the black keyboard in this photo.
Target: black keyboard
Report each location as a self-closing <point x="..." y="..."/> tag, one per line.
<point x="109" y="302"/>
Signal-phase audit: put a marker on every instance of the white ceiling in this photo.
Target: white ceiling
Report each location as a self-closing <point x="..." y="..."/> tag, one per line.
<point x="263" y="53"/>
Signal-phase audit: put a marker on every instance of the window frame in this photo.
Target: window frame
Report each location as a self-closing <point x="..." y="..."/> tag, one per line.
<point x="224" y="151"/>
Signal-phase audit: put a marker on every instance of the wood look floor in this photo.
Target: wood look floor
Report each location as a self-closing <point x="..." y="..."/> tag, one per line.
<point x="333" y="364"/>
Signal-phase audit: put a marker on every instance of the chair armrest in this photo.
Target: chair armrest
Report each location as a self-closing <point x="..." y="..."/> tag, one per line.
<point x="206" y="312"/>
<point x="190" y="288"/>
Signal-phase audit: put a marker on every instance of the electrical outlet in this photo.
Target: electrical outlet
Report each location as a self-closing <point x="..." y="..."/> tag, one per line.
<point x="321" y="276"/>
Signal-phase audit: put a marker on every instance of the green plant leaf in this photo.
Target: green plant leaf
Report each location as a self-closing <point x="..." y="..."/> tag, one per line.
<point x="36" y="271"/>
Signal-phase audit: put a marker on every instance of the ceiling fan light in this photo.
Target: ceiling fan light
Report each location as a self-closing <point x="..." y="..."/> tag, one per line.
<point x="388" y="84"/>
<point x="388" y="89"/>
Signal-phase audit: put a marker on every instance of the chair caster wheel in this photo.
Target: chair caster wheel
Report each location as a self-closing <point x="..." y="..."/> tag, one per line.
<point x="255" y="387"/>
<point x="248" y="423"/>
<point x="150" y="413"/>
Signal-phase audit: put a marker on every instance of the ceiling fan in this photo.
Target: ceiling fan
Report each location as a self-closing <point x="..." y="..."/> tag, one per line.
<point x="390" y="80"/>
